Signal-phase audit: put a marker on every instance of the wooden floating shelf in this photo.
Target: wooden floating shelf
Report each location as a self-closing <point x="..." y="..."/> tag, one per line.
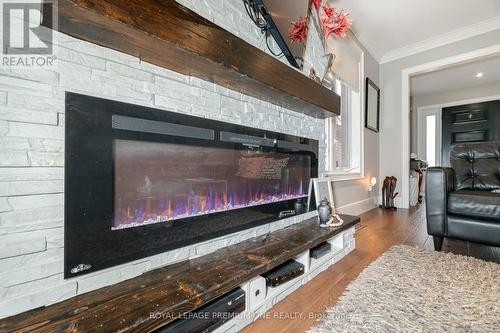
<point x="170" y="35"/>
<point x="174" y="290"/>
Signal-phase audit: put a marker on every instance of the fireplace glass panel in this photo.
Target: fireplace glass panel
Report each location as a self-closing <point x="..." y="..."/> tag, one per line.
<point x="162" y="182"/>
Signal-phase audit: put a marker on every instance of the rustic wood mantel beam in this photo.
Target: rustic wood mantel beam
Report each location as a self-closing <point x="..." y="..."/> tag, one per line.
<point x="170" y="35"/>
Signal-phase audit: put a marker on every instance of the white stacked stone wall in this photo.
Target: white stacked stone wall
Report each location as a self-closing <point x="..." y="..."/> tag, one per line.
<point x="32" y="109"/>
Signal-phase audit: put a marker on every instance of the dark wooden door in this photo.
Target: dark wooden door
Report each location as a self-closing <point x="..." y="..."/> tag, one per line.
<point x="479" y="122"/>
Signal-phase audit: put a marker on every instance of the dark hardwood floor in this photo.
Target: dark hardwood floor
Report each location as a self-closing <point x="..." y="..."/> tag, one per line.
<point x="301" y="309"/>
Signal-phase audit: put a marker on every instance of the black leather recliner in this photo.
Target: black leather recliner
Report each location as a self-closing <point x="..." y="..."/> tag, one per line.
<point x="459" y="200"/>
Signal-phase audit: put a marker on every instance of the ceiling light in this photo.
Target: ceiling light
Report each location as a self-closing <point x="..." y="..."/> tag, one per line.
<point x="479" y="75"/>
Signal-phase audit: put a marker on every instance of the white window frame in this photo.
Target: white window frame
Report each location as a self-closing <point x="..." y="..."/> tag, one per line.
<point x="338" y="176"/>
<point x="422" y="114"/>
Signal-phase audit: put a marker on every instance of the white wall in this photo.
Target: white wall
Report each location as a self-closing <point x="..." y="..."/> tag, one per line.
<point x="391" y="91"/>
<point x="32" y="109"/>
<point x="447" y="97"/>
<point x="352" y="196"/>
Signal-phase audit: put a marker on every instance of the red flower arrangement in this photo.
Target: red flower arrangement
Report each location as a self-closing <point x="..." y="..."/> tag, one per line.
<point x="331" y="20"/>
<point x="334" y="22"/>
<point x="298" y="30"/>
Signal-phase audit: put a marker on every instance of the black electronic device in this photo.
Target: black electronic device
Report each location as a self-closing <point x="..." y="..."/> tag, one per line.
<point x="320" y="250"/>
<point x="279" y="17"/>
<point x="210" y="316"/>
<point x="166" y="180"/>
<point x="283" y="273"/>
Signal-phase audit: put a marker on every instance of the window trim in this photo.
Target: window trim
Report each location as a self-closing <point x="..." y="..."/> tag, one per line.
<point x="339" y="176"/>
<point x="343" y="176"/>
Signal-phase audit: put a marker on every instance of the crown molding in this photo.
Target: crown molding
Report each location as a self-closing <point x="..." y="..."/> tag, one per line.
<point x="443" y="39"/>
<point x="368" y="47"/>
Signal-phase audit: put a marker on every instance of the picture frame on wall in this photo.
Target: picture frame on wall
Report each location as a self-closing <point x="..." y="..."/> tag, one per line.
<point x="319" y="189"/>
<point x="372" y="106"/>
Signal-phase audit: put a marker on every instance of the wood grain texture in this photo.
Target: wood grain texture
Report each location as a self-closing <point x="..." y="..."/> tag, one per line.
<point x="173" y="290"/>
<point x="300" y="310"/>
<point x="169" y="35"/>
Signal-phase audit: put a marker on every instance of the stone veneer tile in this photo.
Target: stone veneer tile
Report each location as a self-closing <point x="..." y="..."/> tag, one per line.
<point x="31" y="163"/>
<point x="54" y="294"/>
<point x="20" y="247"/>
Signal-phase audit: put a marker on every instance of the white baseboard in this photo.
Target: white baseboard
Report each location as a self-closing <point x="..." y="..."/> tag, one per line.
<point x="359" y="207"/>
<point x="398" y="202"/>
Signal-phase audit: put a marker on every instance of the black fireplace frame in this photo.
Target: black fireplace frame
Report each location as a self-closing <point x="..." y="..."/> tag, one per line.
<point x="92" y="124"/>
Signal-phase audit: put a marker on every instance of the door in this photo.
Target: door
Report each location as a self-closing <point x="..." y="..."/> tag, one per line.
<point x="478" y="122"/>
<point x="429" y="135"/>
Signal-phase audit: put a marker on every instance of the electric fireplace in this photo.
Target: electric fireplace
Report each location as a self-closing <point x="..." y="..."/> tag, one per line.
<point x="141" y="181"/>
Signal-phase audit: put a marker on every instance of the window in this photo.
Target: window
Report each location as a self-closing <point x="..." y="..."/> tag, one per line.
<point x="429" y="134"/>
<point x="345" y="132"/>
<point x="430" y="140"/>
<point x="344" y="135"/>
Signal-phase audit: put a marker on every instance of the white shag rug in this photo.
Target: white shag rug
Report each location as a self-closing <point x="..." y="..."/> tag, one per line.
<point x="411" y="290"/>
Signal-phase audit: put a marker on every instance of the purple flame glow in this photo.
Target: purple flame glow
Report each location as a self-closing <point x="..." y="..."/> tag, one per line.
<point x="156" y="210"/>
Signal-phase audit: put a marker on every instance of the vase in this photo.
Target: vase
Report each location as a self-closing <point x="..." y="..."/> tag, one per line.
<point x="299" y="206"/>
<point x="324" y="211"/>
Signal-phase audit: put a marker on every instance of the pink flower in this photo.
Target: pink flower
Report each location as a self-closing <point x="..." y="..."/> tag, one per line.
<point x="326" y="20"/>
<point x="334" y="22"/>
<point x="343" y="24"/>
<point x="298" y="30"/>
<point x="328" y="27"/>
<point x="316" y="3"/>
<point x="329" y="11"/>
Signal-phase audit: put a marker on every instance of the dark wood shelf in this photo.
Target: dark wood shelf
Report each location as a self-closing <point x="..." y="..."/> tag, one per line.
<point x="171" y="36"/>
<point x="176" y="289"/>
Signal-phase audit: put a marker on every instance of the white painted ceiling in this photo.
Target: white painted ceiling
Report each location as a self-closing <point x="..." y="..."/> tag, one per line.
<point x="387" y="26"/>
<point x="457" y="77"/>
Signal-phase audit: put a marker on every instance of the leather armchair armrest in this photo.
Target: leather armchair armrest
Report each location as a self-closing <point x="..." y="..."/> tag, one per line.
<point x="439" y="182"/>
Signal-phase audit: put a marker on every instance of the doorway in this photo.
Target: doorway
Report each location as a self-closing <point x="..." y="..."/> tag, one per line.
<point x="429" y="135"/>
<point x="406" y="74"/>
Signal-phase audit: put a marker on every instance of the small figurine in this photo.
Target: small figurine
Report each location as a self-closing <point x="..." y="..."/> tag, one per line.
<point x="388" y="195"/>
<point x="312" y="75"/>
